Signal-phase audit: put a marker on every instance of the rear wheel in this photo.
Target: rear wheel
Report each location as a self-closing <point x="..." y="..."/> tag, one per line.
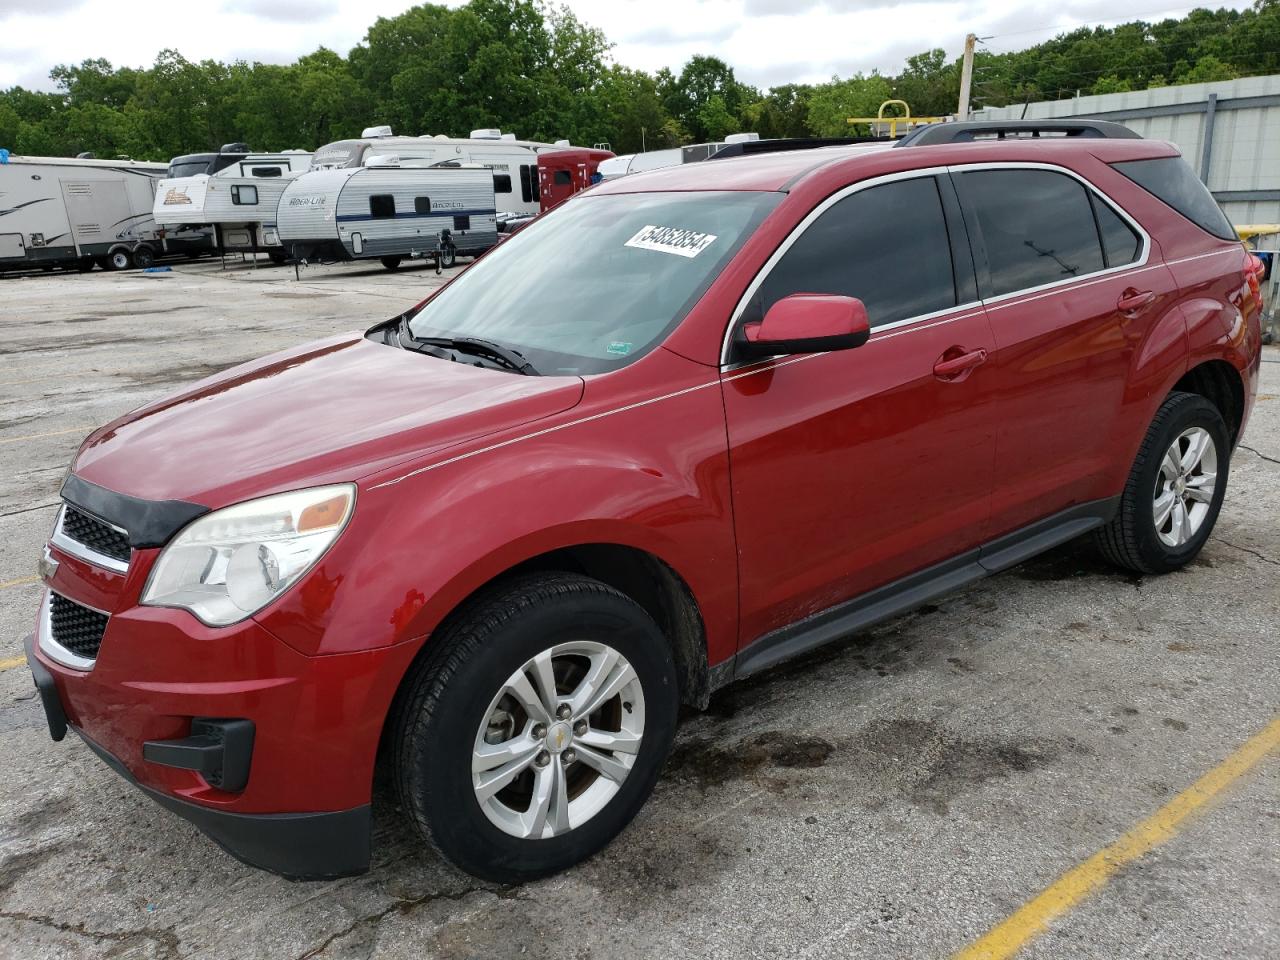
<point x="85" y="264"/>
<point x="1175" y="489"/>
<point x="119" y="260"/>
<point x="143" y="257"/>
<point x="392" y="263"/>
<point x="533" y="729"/>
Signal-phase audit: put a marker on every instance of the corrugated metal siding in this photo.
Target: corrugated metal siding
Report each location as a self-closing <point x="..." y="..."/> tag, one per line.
<point x="1246" y="140"/>
<point x="467" y="192"/>
<point x="308" y="204"/>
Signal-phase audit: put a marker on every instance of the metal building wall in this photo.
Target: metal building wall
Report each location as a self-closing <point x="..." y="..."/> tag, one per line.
<point x="1229" y="132"/>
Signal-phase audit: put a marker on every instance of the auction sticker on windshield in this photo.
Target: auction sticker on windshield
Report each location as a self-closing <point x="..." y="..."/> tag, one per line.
<point x="683" y="243"/>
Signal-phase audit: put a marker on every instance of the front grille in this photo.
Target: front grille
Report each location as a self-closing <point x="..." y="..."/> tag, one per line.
<point x="95" y="534"/>
<point x="76" y="628"/>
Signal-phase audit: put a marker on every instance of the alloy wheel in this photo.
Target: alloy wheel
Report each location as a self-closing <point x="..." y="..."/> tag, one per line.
<point x="1185" y="485"/>
<point x="558" y="740"/>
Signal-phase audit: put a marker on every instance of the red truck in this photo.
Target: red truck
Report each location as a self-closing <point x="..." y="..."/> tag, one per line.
<point x="689" y="424"/>
<point x="562" y="173"/>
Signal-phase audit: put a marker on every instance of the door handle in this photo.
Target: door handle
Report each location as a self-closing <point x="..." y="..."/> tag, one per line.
<point x="950" y="365"/>
<point x="1131" y="301"/>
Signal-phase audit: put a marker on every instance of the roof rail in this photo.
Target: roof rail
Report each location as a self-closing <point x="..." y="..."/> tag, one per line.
<point x="966" y="131"/>
<point x="748" y="147"/>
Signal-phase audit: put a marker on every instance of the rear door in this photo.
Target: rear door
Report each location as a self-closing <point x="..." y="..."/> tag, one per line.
<point x="98" y="210"/>
<point x="1071" y="285"/>
<point x="854" y="468"/>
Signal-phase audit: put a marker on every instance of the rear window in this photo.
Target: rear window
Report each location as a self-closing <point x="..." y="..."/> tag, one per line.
<point x="1171" y="180"/>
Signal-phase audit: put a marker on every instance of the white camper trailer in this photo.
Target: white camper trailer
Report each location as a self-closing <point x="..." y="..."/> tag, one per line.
<point x="629" y="163"/>
<point x="389" y="212"/>
<point x="59" y="211"/>
<point x="513" y="163"/>
<point x="234" y="191"/>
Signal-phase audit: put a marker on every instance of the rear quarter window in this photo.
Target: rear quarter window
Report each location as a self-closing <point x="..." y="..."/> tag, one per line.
<point x="1171" y="180"/>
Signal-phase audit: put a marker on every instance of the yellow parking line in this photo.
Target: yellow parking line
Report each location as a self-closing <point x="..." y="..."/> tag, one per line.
<point x="40" y="436"/>
<point x="20" y="582"/>
<point x="1010" y="936"/>
<point x="12" y="662"/>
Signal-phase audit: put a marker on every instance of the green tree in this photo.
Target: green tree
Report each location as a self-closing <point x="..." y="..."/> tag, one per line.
<point x="833" y="103"/>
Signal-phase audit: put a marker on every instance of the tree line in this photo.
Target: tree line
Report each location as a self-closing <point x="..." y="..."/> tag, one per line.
<point x="538" y="70"/>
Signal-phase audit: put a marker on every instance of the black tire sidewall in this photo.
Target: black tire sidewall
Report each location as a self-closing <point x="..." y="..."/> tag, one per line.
<point x="1195" y="412"/>
<point x="441" y="774"/>
<point x="143" y="258"/>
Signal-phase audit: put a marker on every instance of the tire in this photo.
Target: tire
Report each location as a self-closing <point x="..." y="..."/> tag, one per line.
<point x="1134" y="539"/>
<point x="391" y="263"/>
<point x="455" y="703"/>
<point x="119" y="260"/>
<point x="85" y="264"/>
<point x="277" y="256"/>
<point x="448" y="255"/>
<point x="143" y="258"/>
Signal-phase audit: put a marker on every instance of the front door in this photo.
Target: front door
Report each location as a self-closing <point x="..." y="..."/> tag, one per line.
<point x="854" y="468"/>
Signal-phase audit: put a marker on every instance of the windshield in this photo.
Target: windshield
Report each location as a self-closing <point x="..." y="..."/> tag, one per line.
<point x="600" y="281"/>
<point x="189" y="168"/>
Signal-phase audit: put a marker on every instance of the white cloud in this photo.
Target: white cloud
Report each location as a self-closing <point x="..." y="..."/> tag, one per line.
<point x="766" y="41"/>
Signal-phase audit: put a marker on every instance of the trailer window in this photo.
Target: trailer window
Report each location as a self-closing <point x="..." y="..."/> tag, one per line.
<point x="265" y="171"/>
<point x="563" y="178"/>
<point x="526" y="191"/>
<point x="462" y="223"/>
<point x="421" y="204"/>
<point x="243" y="195"/>
<point x="382" y="206"/>
<point x="502" y="183"/>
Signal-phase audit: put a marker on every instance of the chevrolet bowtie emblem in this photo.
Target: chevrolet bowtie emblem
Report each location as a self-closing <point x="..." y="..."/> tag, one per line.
<point x="47" y="566"/>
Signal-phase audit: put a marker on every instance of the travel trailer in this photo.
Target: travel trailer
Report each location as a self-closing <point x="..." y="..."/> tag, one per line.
<point x="562" y="173"/>
<point x="234" y="191"/>
<point x="514" y="163"/>
<point x="388" y="212"/>
<point x="656" y="159"/>
<point x="65" y="212"/>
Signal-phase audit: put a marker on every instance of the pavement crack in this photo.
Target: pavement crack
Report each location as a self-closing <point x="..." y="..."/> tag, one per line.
<point x="1258" y="453"/>
<point x="39" y="506"/>
<point x="1255" y="553"/>
<point x="405" y="905"/>
<point x="166" y="940"/>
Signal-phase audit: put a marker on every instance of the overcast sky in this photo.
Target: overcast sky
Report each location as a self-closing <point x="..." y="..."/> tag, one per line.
<point x="767" y="42"/>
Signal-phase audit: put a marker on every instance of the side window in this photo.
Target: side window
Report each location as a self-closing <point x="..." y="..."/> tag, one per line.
<point x="265" y="171"/>
<point x="244" y="195"/>
<point x="1120" y="245"/>
<point x="462" y="223"/>
<point x="526" y="189"/>
<point x="502" y="183"/>
<point x="563" y="178"/>
<point x="1037" y="226"/>
<point x="885" y="245"/>
<point x="382" y="206"/>
<point x="421" y="204"/>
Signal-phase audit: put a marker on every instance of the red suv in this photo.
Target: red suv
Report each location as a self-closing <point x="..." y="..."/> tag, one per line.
<point x="685" y="426"/>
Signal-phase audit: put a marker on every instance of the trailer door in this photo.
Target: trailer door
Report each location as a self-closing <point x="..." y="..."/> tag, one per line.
<point x="12" y="247"/>
<point x="98" y="211"/>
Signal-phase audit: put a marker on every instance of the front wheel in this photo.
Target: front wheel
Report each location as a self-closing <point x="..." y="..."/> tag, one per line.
<point x="1175" y="489"/>
<point x="534" y="727"/>
<point x="119" y="260"/>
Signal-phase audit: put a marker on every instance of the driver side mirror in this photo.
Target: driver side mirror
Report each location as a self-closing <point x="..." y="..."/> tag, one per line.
<point x="806" y="323"/>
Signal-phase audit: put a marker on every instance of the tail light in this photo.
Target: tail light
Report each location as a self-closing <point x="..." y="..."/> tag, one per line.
<point x="1253" y="270"/>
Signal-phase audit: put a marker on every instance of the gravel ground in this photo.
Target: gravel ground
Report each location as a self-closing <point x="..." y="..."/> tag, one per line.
<point x="894" y="795"/>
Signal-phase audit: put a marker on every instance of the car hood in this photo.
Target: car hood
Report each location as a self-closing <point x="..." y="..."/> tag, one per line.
<point x="333" y="410"/>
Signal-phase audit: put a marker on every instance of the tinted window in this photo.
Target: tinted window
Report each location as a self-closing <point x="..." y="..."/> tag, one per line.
<point x="462" y="223"/>
<point x="1038" y="226"/>
<point x="1171" y="179"/>
<point x="421" y="204"/>
<point x="563" y="179"/>
<point x="244" y="195"/>
<point x="526" y="189"/>
<point x="1120" y="244"/>
<point x="885" y="245"/>
<point x="502" y="183"/>
<point x="382" y="206"/>
<point x="264" y="171"/>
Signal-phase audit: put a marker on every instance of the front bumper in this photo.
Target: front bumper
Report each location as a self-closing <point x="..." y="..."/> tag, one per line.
<point x="297" y="846"/>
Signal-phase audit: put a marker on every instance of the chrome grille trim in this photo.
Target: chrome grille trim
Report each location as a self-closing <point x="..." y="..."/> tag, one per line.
<point x="66" y="544"/>
<point x="50" y="647"/>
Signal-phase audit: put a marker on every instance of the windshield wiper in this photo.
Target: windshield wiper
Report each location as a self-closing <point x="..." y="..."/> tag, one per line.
<point x="512" y="359"/>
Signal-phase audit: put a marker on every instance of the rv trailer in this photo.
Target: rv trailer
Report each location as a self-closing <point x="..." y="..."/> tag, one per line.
<point x="630" y="163"/>
<point x="60" y="211"/>
<point x="562" y="173"/>
<point x="388" y="212"/>
<point x="234" y="191"/>
<point x="513" y="163"/>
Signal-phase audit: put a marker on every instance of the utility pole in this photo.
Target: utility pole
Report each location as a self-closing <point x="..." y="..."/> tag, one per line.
<point x="966" y="77"/>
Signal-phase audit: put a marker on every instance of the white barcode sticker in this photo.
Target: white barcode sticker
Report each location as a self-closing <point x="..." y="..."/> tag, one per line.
<point x="683" y="243"/>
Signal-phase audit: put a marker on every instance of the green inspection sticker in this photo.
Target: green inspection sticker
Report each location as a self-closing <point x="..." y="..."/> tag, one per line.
<point x="620" y="348"/>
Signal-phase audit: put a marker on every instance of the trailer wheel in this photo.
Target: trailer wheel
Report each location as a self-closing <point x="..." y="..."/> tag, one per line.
<point x="277" y="256"/>
<point x="143" y="257"/>
<point x="85" y="264"/>
<point x="448" y="255"/>
<point x="391" y="263"/>
<point x="119" y="260"/>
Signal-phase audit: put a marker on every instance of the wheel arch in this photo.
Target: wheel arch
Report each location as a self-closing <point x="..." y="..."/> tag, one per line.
<point x="1219" y="382"/>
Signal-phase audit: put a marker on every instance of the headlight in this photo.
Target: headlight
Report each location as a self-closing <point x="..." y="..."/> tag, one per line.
<point x="233" y="562"/>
